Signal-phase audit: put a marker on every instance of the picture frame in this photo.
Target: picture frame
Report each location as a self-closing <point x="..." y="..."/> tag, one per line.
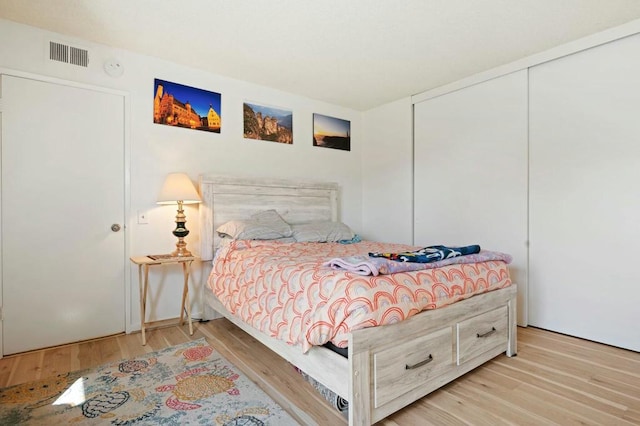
<point x="331" y="132"/>
<point x="178" y="105"/>
<point x="267" y="123"/>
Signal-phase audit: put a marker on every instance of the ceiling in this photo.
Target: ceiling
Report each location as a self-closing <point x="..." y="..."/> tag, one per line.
<point x="355" y="53"/>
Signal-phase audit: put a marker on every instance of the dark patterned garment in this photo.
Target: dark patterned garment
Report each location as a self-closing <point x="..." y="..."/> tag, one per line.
<point x="429" y="254"/>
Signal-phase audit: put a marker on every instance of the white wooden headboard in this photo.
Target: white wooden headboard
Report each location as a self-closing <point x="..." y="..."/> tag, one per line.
<point x="226" y="198"/>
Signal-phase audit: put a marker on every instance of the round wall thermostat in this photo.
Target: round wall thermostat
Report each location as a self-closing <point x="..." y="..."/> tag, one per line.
<point x="113" y="67"/>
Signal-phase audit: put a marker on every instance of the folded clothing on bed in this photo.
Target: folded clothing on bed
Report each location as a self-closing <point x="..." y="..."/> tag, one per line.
<point x="359" y="264"/>
<point x="367" y="265"/>
<point x="429" y="254"/>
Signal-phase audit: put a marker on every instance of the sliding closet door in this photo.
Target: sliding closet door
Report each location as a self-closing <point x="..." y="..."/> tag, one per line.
<point x="585" y="194"/>
<point x="470" y="171"/>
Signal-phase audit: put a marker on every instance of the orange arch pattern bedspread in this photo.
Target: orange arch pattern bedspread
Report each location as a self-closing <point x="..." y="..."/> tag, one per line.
<point x="283" y="290"/>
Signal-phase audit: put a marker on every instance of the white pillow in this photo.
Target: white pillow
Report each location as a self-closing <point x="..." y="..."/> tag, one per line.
<point x="322" y="232"/>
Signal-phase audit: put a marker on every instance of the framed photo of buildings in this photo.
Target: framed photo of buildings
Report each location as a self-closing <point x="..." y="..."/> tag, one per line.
<point x="184" y="106"/>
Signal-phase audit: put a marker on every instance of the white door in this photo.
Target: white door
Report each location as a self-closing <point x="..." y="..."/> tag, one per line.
<point x="470" y="171"/>
<point x="585" y="196"/>
<point x="62" y="190"/>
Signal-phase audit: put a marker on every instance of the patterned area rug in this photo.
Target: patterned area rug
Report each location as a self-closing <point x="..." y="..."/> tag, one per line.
<point x="182" y="385"/>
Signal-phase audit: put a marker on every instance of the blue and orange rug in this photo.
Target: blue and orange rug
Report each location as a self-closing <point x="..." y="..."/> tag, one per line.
<point x="188" y="384"/>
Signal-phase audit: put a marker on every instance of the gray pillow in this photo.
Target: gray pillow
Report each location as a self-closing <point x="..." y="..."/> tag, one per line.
<point x="273" y="220"/>
<point x="322" y="232"/>
<point x="265" y="225"/>
<point x="247" y="230"/>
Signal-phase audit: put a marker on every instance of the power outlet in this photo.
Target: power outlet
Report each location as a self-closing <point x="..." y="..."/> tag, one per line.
<point x="143" y="219"/>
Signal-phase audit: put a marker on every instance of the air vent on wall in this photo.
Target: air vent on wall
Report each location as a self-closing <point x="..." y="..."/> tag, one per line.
<point x="68" y="54"/>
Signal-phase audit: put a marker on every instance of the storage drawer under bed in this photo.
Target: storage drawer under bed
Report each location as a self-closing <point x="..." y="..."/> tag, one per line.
<point x="481" y="334"/>
<point x="406" y="366"/>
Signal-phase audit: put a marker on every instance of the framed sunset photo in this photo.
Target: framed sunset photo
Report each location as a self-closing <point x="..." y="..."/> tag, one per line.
<point x="331" y="132"/>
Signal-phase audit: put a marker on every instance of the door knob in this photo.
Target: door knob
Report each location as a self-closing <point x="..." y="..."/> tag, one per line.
<point x="115" y="227"/>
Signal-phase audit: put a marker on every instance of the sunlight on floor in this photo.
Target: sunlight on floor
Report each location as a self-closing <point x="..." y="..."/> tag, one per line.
<point x="74" y="395"/>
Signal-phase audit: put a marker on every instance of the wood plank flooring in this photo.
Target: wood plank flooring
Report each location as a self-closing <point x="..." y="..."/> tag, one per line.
<point x="555" y="379"/>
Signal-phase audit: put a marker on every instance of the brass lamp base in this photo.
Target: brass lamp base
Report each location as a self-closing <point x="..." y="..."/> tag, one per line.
<point x="181" y="249"/>
<point x="181" y="231"/>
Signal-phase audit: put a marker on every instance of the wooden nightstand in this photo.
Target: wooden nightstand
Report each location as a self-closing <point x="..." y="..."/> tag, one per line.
<point x="144" y="262"/>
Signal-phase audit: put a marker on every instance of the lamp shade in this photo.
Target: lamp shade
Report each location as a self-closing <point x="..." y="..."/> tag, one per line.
<point x="178" y="187"/>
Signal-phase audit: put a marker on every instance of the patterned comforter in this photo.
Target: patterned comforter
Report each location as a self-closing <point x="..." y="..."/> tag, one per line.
<point x="283" y="289"/>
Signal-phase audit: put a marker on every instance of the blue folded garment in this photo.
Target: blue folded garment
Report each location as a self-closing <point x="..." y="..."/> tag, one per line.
<point x="356" y="239"/>
<point x="430" y="254"/>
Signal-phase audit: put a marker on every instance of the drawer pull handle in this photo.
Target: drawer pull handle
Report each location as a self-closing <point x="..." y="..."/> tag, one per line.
<point x="488" y="333"/>
<point x="420" y="364"/>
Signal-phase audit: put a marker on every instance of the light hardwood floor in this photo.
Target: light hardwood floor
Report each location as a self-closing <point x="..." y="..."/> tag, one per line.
<point x="555" y="379"/>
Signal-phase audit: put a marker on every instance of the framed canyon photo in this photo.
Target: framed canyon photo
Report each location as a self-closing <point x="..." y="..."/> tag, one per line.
<point x="267" y="123"/>
<point x="184" y="106"/>
<point x="331" y="132"/>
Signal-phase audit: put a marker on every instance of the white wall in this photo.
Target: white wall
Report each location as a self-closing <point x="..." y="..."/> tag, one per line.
<point x="387" y="173"/>
<point x="156" y="150"/>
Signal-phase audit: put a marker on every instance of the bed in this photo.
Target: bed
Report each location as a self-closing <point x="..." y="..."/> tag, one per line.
<point x="388" y="367"/>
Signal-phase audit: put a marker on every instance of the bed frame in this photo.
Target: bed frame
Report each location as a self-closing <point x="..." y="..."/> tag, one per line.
<point x="390" y="366"/>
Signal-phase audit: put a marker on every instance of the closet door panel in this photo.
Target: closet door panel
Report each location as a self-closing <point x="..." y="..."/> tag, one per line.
<point x="584" y="196"/>
<point x="62" y="189"/>
<point x="470" y="171"/>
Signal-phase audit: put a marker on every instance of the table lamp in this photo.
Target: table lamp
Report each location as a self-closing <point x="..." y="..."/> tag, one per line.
<point x="178" y="189"/>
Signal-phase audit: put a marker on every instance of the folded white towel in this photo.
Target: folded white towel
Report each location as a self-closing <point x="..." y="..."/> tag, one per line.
<point x="361" y="264"/>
